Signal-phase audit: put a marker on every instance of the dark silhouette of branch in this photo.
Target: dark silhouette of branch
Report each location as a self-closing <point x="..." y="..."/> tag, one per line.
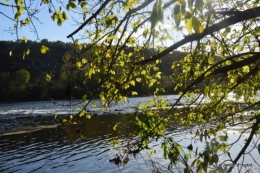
<point x="8" y="5"/>
<point x="7" y="16"/>
<point x="89" y="19"/>
<point x="254" y="129"/>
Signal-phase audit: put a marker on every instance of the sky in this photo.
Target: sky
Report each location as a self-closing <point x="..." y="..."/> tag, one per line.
<point x="47" y="28"/>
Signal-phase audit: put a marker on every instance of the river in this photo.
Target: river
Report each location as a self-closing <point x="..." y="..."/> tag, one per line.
<point x="32" y="140"/>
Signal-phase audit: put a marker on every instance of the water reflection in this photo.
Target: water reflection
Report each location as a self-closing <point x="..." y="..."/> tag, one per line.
<point x="66" y="149"/>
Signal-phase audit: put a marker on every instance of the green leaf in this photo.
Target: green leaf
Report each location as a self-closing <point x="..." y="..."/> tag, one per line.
<point x="220" y="169"/>
<point x="193" y="163"/>
<point x="45" y="1"/>
<point x="64" y="15"/>
<point x="72" y="5"/>
<point x="201" y="137"/>
<point x="240" y="47"/>
<point x="182" y="2"/>
<point x="187" y="156"/>
<point x="199" y="4"/>
<point x="223" y="138"/>
<point x="205" y="166"/>
<point x="27" y="21"/>
<point x="157" y="14"/>
<point x="78" y="64"/>
<point x="186" y="170"/>
<point x="198" y="163"/>
<point x="245" y="69"/>
<point x="160" y="11"/>
<point x="190" y="3"/>
<point x="82" y="113"/>
<point x="84" y="61"/>
<point x="206" y="90"/>
<point x="183" y="9"/>
<point x="44" y="49"/>
<point x="177" y="15"/>
<point x="19" y="12"/>
<point x="158" y="75"/>
<point x="214" y="159"/>
<point x="126" y="160"/>
<point x="196" y="25"/>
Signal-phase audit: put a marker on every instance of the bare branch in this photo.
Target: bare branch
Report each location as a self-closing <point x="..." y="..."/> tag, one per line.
<point x="254" y="129"/>
<point x="89" y="19"/>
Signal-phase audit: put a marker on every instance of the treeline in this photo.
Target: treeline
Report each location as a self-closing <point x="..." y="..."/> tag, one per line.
<point x="16" y="66"/>
<point x="23" y="74"/>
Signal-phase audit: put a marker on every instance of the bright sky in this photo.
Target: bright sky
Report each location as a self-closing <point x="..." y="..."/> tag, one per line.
<point x="47" y="29"/>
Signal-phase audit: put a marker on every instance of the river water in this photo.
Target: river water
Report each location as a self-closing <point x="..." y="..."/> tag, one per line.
<point x="32" y="140"/>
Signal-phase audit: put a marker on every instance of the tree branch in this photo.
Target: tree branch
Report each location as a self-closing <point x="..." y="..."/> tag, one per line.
<point x="242" y="16"/>
<point x="254" y="129"/>
<point x="89" y="19"/>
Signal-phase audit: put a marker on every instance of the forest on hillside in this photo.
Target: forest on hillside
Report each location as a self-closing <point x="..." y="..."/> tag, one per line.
<point x="23" y="74"/>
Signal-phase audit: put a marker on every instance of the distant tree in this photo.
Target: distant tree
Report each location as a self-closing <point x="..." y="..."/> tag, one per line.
<point x="16" y="88"/>
<point x="22" y="76"/>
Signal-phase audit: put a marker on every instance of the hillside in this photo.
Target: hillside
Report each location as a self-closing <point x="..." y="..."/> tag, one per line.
<point x="54" y="62"/>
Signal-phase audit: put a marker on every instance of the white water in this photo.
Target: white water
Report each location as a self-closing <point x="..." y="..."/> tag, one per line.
<point x="62" y="107"/>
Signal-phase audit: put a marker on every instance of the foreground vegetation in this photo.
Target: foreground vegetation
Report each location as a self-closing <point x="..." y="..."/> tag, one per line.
<point x="221" y="42"/>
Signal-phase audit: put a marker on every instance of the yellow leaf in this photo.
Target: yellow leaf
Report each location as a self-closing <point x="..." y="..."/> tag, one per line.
<point x="10" y="53"/>
<point x="114" y="128"/>
<point x="82" y="113"/>
<point x="196" y="25"/>
<point x="188" y="24"/>
<point x="134" y="93"/>
<point x="48" y="77"/>
<point x="27" y="51"/>
<point x="23" y="55"/>
<point x="44" y="49"/>
<point x="24" y="39"/>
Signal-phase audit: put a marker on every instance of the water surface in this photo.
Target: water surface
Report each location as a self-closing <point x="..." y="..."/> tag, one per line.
<point x="45" y="144"/>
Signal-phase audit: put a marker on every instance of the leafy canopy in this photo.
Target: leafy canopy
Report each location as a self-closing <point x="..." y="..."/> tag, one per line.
<point x="221" y="42"/>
